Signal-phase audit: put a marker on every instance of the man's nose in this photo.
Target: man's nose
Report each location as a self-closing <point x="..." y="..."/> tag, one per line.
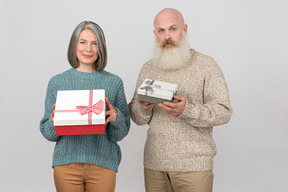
<point x="167" y="35"/>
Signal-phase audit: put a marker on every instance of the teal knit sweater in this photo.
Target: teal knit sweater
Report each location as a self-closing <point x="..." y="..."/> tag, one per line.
<point x="101" y="150"/>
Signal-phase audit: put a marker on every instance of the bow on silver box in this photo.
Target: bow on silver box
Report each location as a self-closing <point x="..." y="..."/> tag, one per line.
<point x="149" y="87"/>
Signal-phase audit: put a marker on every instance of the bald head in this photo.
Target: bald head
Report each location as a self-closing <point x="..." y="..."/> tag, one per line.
<point x="169" y="25"/>
<point x="168" y="13"/>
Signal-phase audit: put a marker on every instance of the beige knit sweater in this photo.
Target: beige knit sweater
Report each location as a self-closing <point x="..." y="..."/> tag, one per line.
<point x="184" y="143"/>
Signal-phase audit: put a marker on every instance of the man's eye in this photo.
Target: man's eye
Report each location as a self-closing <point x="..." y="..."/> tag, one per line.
<point x="161" y="30"/>
<point x="173" y="29"/>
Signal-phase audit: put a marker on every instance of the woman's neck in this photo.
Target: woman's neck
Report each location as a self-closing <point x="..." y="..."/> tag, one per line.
<point x="86" y="68"/>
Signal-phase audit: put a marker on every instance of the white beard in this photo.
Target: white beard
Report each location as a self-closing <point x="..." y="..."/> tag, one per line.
<point x="172" y="58"/>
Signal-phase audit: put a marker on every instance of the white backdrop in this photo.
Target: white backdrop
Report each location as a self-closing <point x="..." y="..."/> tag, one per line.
<point x="247" y="38"/>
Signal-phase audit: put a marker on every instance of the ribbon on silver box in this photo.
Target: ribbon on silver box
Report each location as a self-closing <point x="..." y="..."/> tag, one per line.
<point x="149" y="87"/>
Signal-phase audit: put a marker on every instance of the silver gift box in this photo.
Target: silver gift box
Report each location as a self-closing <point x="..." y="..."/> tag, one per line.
<point x="153" y="91"/>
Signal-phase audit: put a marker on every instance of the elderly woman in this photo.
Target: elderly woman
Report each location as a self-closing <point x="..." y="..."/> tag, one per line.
<point x="87" y="162"/>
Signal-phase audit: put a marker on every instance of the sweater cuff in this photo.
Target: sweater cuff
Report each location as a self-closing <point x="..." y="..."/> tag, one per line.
<point x="120" y="120"/>
<point x="190" y="112"/>
<point x="145" y="112"/>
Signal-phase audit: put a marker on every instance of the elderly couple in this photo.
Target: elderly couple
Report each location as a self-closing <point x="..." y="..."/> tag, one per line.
<point x="179" y="149"/>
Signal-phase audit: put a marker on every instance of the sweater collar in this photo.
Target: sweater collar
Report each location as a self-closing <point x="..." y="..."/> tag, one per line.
<point x="85" y="75"/>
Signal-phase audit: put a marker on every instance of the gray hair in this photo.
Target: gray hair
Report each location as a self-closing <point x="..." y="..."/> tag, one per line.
<point x="101" y="61"/>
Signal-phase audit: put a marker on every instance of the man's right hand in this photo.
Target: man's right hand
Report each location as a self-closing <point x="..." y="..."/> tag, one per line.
<point x="146" y="105"/>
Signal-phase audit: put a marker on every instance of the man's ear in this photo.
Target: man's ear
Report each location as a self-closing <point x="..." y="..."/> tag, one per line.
<point x="185" y="28"/>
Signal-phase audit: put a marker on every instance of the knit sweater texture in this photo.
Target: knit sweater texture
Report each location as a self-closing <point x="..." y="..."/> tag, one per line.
<point x="102" y="149"/>
<point x="184" y="143"/>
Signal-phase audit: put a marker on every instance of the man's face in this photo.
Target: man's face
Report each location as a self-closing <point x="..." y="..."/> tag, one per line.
<point x="169" y="29"/>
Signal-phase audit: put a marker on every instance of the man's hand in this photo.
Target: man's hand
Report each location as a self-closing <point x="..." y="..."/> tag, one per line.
<point x="146" y="105"/>
<point x="174" y="109"/>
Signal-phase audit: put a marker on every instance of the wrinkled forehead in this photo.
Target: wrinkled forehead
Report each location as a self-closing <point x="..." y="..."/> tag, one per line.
<point x="168" y="17"/>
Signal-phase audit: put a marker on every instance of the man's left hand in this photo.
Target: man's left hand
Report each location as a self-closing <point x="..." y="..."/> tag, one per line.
<point x="174" y="109"/>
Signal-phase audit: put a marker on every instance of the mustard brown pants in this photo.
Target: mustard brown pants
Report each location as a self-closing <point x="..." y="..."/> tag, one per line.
<point x="78" y="177"/>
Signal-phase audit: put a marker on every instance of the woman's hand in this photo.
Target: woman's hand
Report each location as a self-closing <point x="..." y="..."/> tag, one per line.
<point x="111" y="112"/>
<point x="52" y="114"/>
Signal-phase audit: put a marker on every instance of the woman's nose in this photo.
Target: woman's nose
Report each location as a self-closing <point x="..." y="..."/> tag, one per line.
<point x="88" y="47"/>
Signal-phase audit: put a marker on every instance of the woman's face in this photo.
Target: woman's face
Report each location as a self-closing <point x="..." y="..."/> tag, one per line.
<point x="87" y="50"/>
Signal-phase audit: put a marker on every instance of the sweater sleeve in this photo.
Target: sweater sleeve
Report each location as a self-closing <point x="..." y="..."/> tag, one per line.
<point x="120" y="128"/>
<point x="215" y="109"/>
<point x="46" y="125"/>
<point x="139" y="115"/>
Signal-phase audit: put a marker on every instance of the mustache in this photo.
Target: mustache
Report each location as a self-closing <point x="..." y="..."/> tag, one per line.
<point x="168" y="41"/>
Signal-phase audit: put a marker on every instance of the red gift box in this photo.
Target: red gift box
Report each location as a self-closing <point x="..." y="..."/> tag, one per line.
<point x="80" y="112"/>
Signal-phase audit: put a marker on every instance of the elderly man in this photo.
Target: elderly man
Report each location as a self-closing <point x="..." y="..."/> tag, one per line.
<point x="179" y="149"/>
